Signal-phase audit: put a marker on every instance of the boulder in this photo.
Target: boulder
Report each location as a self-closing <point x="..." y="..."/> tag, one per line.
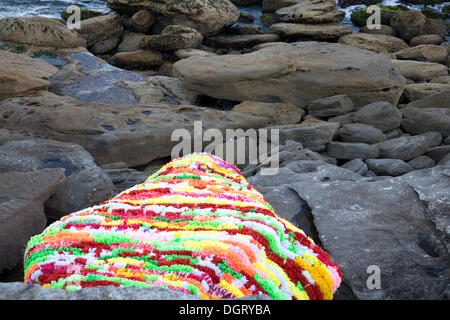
<point x="22" y="197"/>
<point x="311" y="11"/>
<point x="404" y="216"/>
<point x="411" y="23"/>
<point x="422" y="162"/>
<point x="420" y="120"/>
<point x="21" y="63"/>
<point x="99" y="30"/>
<point x="438" y="153"/>
<point x="350" y="151"/>
<point x="374" y="42"/>
<point x="130" y="42"/>
<point x="388" y="167"/>
<point x="425" y="52"/>
<point x="331" y="106"/>
<point x="422" y="71"/>
<point x="381" y="115"/>
<point x="142" y="21"/>
<point x="86" y="183"/>
<point x="208" y="17"/>
<point x="172" y="37"/>
<point x="426" y="39"/>
<point x="438" y="100"/>
<point x="40" y="32"/>
<point x="283" y="114"/>
<point x="137" y="59"/>
<point x="186" y="53"/>
<point x="403" y="148"/>
<point x="443" y="80"/>
<point x="301" y="31"/>
<point x="418" y="91"/>
<point x="296" y="73"/>
<point x="113" y="133"/>
<point x="356" y="165"/>
<point x="18" y="84"/>
<point x="359" y="132"/>
<point x="238" y="42"/>
<point x="383" y="29"/>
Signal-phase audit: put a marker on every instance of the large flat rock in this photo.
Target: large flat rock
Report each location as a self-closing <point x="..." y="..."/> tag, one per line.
<point x="294" y="73"/>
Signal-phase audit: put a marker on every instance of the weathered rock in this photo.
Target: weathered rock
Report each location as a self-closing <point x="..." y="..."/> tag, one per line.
<point x="21" y="63"/>
<point x="113" y="133"/>
<point x="418" y="91"/>
<point x="420" y="120"/>
<point x="103" y="28"/>
<point x="426" y="39"/>
<point x="323" y="31"/>
<point x="208" y="17"/>
<point x="137" y="59"/>
<point x="22" y="197"/>
<point x="295" y="73"/>
<point x="438" y="100"/>
<point x="355" y="219"/>
<point x="359" y="132"/>
<point x="172" y="37"/>
<point x="403" y="148"/>
<point x="350" y="151"/>
<point x="416" y="70"/>
<point x="437" y="153"/>
<point x="240" y="41"/>
<point x="40" y="32"/>
<point x="313" y="136"/>
<point x="373" y="42"/>
<point x="17" y="84"/>
<point x="283" y="114"/>
<point x="411" y="23"/>
<point x="311" y="11"/>
<point x="381" y="115"/>
<point x="86" y="183"/>
<point x="422" y="162"/>
<point x="426" y="52"/>
<point x="331" y="106"/>
<point x="386" y="30"/>
<point x="356" y="165"/>
<point x="388" y="167"/>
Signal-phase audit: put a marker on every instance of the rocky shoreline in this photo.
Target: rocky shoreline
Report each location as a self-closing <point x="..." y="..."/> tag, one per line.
<point x="364" y="122"/>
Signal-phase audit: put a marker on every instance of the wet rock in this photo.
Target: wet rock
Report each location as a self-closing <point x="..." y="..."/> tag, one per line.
<point x="22" y="197"/>
<point x="373" y="42"/>
<point x="404" y="148"/>
<point x="40" y="32"/>
<point x="416" y="70"/>
<point x="422" y="162"/>
<point x="388" y="167"/>
<point x="350" y="151"/>
<point x="420" y="120"/>
<point x="86" y="183"/>
<point x="418" y="91"/>
<point x="331" y="106"/>
<point x="284" y="73"/>
<point x="172" y="37"/>
<point x="381" y="115"/>
<point x="358" y="132"/>
<point x="355" y="219"/>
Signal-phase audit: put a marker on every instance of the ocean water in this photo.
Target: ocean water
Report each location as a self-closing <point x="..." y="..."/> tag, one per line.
<point x="53" y="8"/>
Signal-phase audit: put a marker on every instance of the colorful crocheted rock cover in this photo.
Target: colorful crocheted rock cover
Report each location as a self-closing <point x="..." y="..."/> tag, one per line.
<point x="195" y="226"/>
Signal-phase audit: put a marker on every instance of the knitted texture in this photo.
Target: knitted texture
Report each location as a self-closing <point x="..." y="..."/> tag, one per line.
<point x="195" y="226"/>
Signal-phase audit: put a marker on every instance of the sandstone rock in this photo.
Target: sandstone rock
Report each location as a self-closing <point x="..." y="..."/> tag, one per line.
<point x="141" y="21"/>
<point x="98" y="29"/>
<point x="386" y="30"/>
<point x="419" y="91"/>
<point x="18" y="84"/>
<point x="40" y="32"/>
<point x="358" y="132"/>
<point x="313" y="136"/>
<point x="86" y="183"/>
<point x="373" y="42"/>
<point x="425" y="52"/>
<point x="137" y="59"/>
<point x="173" y="37"/>
<point x="105" y="46"/>
<point x="295" y="73"/>
<point x="282" y="113"/>
<point x="388" y="167"/>
<point x="438" y="100"/>
<point x="238" y="42"/>
<point x="416" y="70"/>
<point x="350" y="151"/>
<point x="111" y="133"/>
<point x="381" y="115"/>
<point x="442" y="80"/>
<point x="208" y="17"/>
<point x="403" y="148"/>
<point x="311" y="11"/>
<point x="426" y="39"/>
<point x="402" y="215"/>
<point x="31" y="67"/>
<point x="411" y="23"/>
<point x="422" y="162"/>
<point x="420" y="120"/>
<point x="22" y="197"/>
<point x="323" y="31"/>
<point x="356" y="165"/>
<point x="331" y="106"/>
